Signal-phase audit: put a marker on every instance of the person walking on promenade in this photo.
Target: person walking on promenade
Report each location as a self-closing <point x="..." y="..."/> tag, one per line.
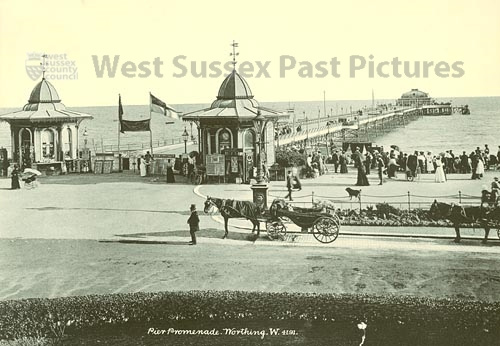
<point x="14" y="176"/>
<point x="359" y="163"/>
<point x="194" y="224"/>
<point x="380" y="167"/>
<point x="142" y="167"/>
<point x="335" y="160"/>
<point x="428" y="163"/>
<point x="5" y="166"/>
<point x="148" y="158"/>
<point x="343" y="162"/>
<point x="439" y="175"/>
<point x="392" y="167"/>
<point x="480" y="167"/>
<point x="464" y="163"/>
<point x="289" y="185"/>
<point x="368" y="162"/>
<point x="412" y="163"/>
<point x="474" y="160"/>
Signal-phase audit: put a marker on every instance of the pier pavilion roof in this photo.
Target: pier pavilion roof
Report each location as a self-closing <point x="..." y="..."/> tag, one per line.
<point x="44" y="105"/>
<point x="414" y="93"/>
<point x="234" y="101"/>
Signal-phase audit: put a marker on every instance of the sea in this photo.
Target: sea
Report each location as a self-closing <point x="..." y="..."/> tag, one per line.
<point x="432" y="133"/>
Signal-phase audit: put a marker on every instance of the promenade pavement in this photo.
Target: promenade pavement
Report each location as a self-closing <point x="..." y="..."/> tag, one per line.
<point x="126" y="207"/>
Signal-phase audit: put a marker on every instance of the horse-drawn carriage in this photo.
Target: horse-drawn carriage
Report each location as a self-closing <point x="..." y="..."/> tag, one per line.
<point x="320" y="220"/>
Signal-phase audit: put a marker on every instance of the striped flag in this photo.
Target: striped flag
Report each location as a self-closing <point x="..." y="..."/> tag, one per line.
<point x="158" y="106"/>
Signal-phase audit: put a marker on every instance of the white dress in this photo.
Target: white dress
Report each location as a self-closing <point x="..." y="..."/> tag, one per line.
<point x="430" y="165"/>
<point x="439" y="175"/>
<point x="480" y="168"/>
<point x="142" y="168"/>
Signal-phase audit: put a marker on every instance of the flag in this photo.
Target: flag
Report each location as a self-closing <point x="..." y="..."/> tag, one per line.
<point x="131" y="125"/>
<point x="135" y="125"/>
<point x="158" y="106"/>
<point x="120" y="111"/>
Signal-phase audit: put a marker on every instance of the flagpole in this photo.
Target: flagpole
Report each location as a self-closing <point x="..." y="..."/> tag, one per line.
<point x="150" y="131"/>
<point x="119" y="128"/>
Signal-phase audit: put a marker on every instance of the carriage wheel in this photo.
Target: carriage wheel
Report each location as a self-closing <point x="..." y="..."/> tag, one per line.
<point x="326" y="229"/>
<point x="275" y="230"/>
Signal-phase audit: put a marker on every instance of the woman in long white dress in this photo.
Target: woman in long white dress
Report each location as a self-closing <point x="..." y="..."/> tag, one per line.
<point x="480" y="168"/>
<point x="429" y="163"/>
<point x="439" y="175"/>
<point x="142" y="167"/>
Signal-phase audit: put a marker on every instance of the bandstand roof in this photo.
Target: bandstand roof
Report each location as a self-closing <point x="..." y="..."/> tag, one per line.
<point x="234" y="101"/>
<point x="44" y="105"/>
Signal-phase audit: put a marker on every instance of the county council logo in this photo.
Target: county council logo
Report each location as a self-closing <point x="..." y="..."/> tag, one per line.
<point x="55" y="66"/>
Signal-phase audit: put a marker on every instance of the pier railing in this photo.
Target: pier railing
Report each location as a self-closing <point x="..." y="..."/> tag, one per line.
<point x="311" y="127"/>
<point x="124" y="147"/>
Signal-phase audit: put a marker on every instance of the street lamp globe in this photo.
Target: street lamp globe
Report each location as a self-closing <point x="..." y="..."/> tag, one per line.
<point x="185" y="136"/>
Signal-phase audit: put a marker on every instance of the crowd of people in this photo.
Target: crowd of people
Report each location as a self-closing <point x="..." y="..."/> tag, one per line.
<point x="388" y="164"/>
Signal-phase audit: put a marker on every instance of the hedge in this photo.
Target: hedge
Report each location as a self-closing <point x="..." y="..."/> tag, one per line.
<point x="75" y="315"/>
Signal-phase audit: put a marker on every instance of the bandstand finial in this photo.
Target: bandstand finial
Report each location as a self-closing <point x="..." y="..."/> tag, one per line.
<point x="234" y="54"/>
<point x="43" y="65"/>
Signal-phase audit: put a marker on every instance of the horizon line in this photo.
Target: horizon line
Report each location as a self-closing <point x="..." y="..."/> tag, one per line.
<point x="291" y="102"/>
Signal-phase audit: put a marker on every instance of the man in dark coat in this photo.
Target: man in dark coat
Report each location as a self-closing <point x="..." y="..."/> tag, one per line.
<point x="474" y="161"/>
<point x="464" y="163"/>
<point x="15" y="178"/>
<point x="289" y="185"/>
<point x="412" y="163"/>
<point x="194" y="224"/>
<point x="335" y="160"/>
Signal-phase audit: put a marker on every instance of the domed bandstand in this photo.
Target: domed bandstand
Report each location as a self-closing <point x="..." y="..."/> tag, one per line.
<point x="234" y="129"/>
<point x="44" y="134"/>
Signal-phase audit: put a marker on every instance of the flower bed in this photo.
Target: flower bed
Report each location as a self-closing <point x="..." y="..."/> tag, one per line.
<point x="386" y="215"/>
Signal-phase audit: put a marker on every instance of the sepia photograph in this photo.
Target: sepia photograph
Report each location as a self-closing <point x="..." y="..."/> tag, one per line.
<point x="321" y="173"/>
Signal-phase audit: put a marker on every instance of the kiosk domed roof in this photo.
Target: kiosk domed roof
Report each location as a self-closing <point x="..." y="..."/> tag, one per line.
<point x="414" y="93"/>
<point x="234" y="87"/>
<point x="44" y="92"/>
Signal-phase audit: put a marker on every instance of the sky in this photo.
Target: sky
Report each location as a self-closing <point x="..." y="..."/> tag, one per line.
<point x="457" y="39"/>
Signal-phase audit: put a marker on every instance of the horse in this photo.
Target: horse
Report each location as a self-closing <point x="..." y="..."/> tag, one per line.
<point x="230" y="208"/>
<point x="458" y="215"/>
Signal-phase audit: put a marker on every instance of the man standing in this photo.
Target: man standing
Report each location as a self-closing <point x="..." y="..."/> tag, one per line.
<point x="412" y="163"/>
<point x="194" y="222"/>
<point x="289" y="185"/>
<point x="486" y="157"/>
<point x="380" y="167"/>
<point x="148" y="158"/>
<point x="464" y="163"/>
<point x="335" y="160"/>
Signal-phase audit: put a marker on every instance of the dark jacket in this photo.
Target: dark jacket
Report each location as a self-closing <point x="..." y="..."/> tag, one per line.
<point x="194" y="221"/>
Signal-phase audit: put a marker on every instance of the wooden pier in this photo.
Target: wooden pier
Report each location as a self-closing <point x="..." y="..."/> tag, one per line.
<point x="348" y="128"/>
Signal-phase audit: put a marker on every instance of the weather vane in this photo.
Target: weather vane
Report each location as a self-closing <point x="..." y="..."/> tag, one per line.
<point x="43" y="65"/>
<point x="234" y="54"/>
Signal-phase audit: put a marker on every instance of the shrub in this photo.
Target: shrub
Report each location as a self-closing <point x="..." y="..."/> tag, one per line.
<point x="289" y="158"/>
<point x="116" y="313"/>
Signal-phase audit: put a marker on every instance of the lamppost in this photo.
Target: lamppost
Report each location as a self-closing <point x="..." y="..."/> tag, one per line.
<point x="86" y="156"/>
<point x="85" y="135"/>
<point x="185" y="136"/>
<point x="260" y="187"/>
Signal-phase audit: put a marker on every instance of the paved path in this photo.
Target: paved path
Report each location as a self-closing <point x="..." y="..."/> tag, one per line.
<point x="125" y="205"/>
